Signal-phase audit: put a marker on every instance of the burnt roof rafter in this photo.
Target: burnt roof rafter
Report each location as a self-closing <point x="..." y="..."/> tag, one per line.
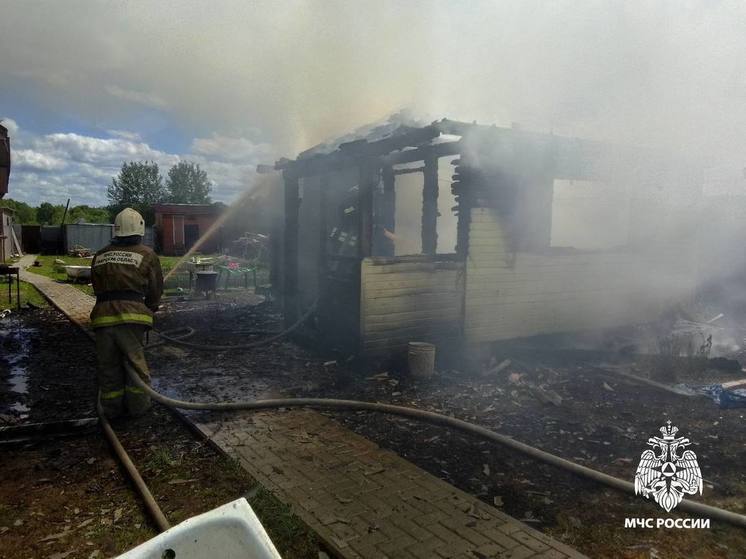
<point x="567" y="157"/>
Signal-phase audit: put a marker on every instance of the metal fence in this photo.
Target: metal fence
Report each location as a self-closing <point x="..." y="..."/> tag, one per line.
<point x="93" y="236"/>
<point x="51" y="239"/>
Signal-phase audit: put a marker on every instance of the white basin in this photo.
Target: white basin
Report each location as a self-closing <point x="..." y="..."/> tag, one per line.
<point x="78" y="272"/>
<point x="231" y="531"/>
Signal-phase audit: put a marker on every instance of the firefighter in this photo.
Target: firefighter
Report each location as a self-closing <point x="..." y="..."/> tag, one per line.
<point x="128" y="284"/>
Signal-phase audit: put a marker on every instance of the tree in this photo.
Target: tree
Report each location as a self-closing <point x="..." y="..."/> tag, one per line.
<point x="187" y="184"/>
<point x="139" y="185"/>
<point x="45" y="213"/>
<point x="88" y="214"/>
<point x="24" y="214"/>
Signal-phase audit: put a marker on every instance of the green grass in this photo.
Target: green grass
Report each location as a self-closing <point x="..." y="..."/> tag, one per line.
<point x="161" y="458"/>
<point x="286" y="530"/>
<point x="179" y="279"/>
<point x="47" y="269"/>
<point x="29" y="294"/>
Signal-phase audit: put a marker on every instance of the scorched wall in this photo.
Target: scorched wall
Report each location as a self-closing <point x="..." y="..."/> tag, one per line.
<point x="516" y="294"/>
<point x="416" y="298"/>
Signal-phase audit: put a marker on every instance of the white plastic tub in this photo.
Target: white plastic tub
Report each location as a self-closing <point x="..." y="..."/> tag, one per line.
<point x="229" y="532"/>
<point x="78" y="272"/>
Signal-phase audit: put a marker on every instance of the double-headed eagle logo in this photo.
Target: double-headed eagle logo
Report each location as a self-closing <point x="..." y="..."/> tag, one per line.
<point x="664" y="473"/>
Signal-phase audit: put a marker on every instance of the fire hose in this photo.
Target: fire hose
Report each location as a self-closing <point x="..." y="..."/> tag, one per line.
<point x="354" y="405"/>
<point x="435" y="419"/>
<point x="264" y="341"/>
<point x="150" y="503"/>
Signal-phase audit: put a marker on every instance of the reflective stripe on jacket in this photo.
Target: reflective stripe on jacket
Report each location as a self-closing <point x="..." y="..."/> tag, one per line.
<point x="126" y="268"/>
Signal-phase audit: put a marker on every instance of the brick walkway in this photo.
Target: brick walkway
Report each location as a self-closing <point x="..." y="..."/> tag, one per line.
<point x="69" y="300"/>
<point x="366" y="502"/>
<point x="361" y="500"/>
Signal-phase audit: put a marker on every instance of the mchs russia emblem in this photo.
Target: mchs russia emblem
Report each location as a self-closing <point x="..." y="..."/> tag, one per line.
<point x="667" y="471"/>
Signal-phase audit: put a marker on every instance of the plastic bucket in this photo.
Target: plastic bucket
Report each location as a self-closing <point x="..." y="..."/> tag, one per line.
<point x="421" y="359"/>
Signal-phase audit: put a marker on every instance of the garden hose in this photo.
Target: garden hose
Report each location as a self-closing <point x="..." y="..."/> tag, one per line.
<point x="150" y="503"/>
<point x="436" y="419"/>
<point x="257" y="343"/>
<point x="155" y="511"/>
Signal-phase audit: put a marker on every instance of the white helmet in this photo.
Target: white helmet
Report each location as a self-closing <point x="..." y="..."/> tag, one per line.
<point x="128" y="222"/>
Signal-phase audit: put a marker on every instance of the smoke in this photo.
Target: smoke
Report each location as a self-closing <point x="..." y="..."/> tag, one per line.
<point x="663" y="73"/>
<point x="669" y="74"/>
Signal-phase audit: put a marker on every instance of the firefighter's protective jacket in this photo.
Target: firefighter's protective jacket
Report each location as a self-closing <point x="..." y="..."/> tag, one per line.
<point x="128" y="283"/>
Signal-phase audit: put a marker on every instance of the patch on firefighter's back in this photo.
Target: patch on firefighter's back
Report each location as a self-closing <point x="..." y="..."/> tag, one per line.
<point x="119" y="257"/>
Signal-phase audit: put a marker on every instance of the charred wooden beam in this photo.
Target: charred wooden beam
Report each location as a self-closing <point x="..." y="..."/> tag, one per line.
<point x="422" y="152"/>
<point x="430" y="206"/>
<point x="405" y="137"/>
<point x="323" y="237"/>
<point x="368" y="182"/>
<point x="462" y="188"/>
<point x="290" y="252"/>
<point x="413" y="170"/>
<point x="565" y="157"/>
<point x="322" y="164"/>
<point x="388" y="212"/>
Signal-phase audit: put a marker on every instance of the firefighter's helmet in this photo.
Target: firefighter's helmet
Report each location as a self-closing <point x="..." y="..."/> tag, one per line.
<point x="129" y="222"/>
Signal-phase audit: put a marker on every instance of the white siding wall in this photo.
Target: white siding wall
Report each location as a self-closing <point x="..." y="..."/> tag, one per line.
<point x="414" y="299"/>
<point x="511" y="295"/>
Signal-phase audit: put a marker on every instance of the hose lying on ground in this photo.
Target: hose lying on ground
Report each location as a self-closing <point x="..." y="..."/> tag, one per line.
<point x="349" y="405"/>
<point x="257" y="343"/>
<point x="150" y="503"/>
<point x="188" y="332"/>
<point x="436" y="419"/>
<point x="155" y="511"/>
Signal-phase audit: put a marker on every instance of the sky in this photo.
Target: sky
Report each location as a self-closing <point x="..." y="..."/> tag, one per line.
<point x="86" y="85"/>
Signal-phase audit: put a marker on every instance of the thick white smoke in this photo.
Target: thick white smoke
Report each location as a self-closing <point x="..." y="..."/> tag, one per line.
<point x="668" y="73"/>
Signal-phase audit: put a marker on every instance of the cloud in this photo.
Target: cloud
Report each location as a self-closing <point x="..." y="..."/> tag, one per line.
<point x="139" y="97"/>
<point x="669" y="72"/>
<point x="28" y="159"/>
<point x="53" y="167"/>
<point x="125" y="134"/>
<point x="98" y="151"/>
<point x="10" y="124"/>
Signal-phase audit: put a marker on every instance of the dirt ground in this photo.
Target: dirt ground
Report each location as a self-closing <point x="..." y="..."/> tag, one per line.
<point x="595" y="419"/>
<point x="67" y="497"/>
<point x="592" y="417"/>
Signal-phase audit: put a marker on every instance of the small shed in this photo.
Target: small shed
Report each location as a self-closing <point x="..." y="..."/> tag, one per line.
<point x="8" y="241"/>
<point x="178" y="227"/>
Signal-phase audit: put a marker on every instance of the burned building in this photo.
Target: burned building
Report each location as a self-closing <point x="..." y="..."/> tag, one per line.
<point x="477" y="257"/>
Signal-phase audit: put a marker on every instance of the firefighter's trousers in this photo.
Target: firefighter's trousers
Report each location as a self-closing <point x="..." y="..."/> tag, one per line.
<point x="119" y="348"/>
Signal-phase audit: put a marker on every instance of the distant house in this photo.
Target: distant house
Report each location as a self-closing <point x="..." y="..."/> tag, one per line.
<point x="179" y="226"/>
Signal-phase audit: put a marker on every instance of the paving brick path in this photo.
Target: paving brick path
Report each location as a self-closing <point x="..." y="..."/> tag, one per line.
<point x="366" y="502"/>
<point x="69" y="300"/>
<point x="362" y="501"/>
